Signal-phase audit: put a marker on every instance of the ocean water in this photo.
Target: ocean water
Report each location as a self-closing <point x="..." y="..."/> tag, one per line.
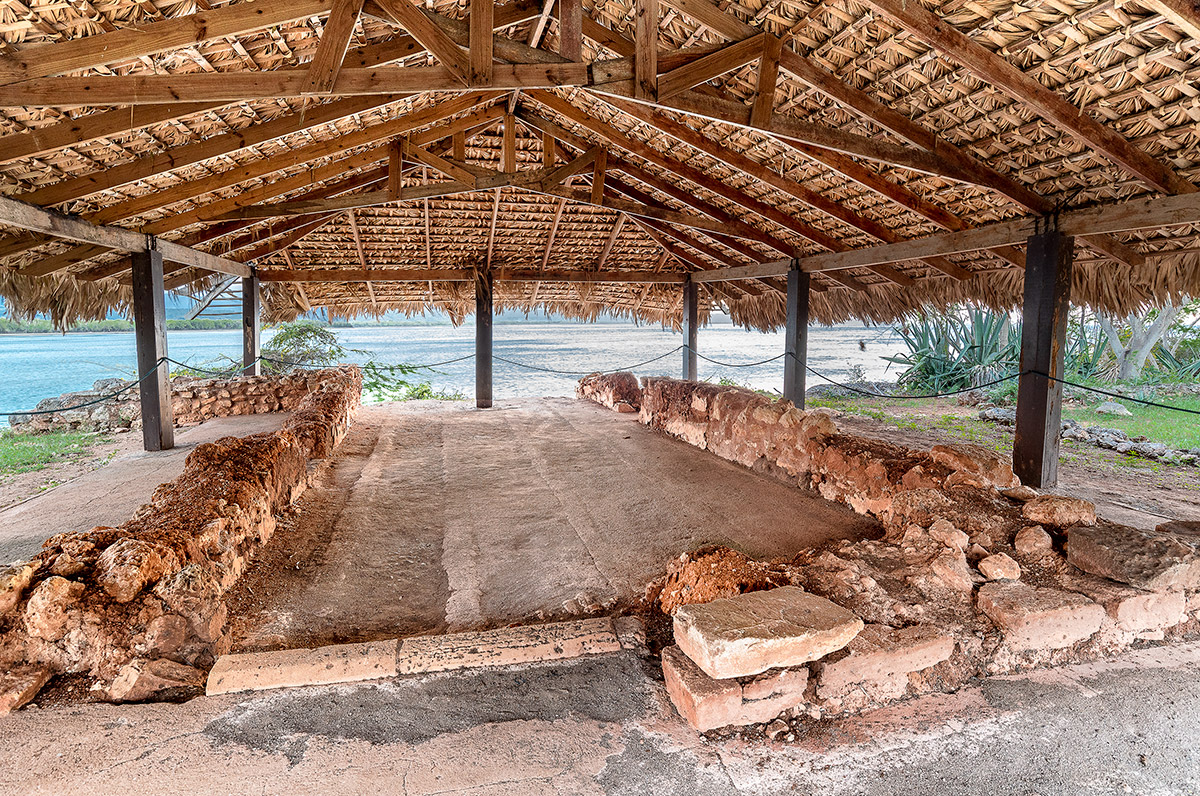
<point x="37" y="366"/>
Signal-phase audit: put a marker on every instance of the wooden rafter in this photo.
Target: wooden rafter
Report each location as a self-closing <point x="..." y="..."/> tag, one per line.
<point x="425" y="30"/>
<point x="335" y="39"/>
<point x="713" y="65"/>
<point x="994" y="70"/>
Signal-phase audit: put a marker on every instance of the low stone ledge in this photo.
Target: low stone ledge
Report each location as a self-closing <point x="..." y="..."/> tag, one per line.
<point x="342" y="663"/>
<point x="508" y="646"/>
<point x="707" y="703"/>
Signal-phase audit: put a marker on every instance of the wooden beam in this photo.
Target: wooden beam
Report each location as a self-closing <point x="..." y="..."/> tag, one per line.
<point x="491" y="241"/>
<point x="994" y="70"/>
<point x="795" y="341"/>
<point x="48" y="222"/>
<point x="691" y="329"/>
<point x="768" y="77"/>
<point x="483" y="338"/>
<point x="432" y="37"/>
<point x="611" y="241"/>
<point x="1045" y="312"/>
<point x="382" y="274"/>
<point x="966" y="165"/>
<point x="126" y="44"/>
<point x="480" y="43"/>
<point x="660" y="212"/>
<point x="570" y="168"/>
<point x="558" y="211"/>
<point x="1184" y="14"/>
<point x="251" y="327"/>
<point x="150" y="333"/>
<point x="702" y="70"/>
<point x="1103" y="220"/>
<point x="508" y="152"/>
<point x="60" y="92"/>
<point x="645" y="59"/>
<point x="628" y="277"/>
<point x="570" y="29"/>
<point x="335" y="39"/>
<point x="598" y="172"/>
<point x="448" y="167"/>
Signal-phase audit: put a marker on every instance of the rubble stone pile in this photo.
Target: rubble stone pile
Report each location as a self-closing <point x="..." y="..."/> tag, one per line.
<point x="193" y="400"/>
<point x="975" y="574"/>
<point x="139" y="607"/>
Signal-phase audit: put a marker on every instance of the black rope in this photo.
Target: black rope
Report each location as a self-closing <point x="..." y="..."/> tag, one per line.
<point x="99" y="400"/>
<point x="1114" y="394"/>
<point x="735" y="364"/>
<point x="197" y="369"/>
<point x="588" y="372"/>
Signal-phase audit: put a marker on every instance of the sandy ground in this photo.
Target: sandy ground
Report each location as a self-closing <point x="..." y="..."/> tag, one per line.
<point x="109" y="495"/>
<point x="434" y="516"/>
<point x="600" y="726"/>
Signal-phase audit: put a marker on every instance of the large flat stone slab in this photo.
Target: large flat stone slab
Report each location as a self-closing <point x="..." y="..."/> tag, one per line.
<point x="507" y="646"/>
<point x="20" y="684"/>
<point x="882" y="657"/>
<point x="340" y="663"/>
<point x="1039" y="618"/>
<point x="751" y="633"/>
<point x="707" y="703"/>
<point x="1166" y="558"/>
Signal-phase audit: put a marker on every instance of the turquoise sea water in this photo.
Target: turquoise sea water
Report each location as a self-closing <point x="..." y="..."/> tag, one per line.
<point x="37" y="366"/>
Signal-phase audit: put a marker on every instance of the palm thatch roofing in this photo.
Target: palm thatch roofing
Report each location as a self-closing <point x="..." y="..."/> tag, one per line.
<point x="878" y="128"/>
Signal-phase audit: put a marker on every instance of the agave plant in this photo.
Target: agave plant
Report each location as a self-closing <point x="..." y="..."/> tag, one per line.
<point x="956" y="350"/>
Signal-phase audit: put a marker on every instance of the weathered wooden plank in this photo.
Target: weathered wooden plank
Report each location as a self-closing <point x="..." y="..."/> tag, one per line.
<point x="483" y="338"/>
<point x="711" y="66"/>
<point x="434" y="39"/>
<point x="1045" y="312"/>
<point x="645" y="59"/>
<point x="691" y="329"/>
<point x="335" y="39"/>
<point x="150" y="334"/>
<point x="251" y="327"/>
<point x="480" y="42"/>
<point x="795" y="361"/>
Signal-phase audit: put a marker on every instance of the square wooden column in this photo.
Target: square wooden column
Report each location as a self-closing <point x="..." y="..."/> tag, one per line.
<point x="691" y="300"/>
<point x="251" y="326"/>
<point x="483" y="339"/>
<point x="1048" y="262"/>
<point x="150" y="333"/>
<point x="795" y="343"/>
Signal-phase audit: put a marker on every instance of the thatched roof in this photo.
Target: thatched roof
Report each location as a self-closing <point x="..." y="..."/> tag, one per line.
<point x="760" y="195"/>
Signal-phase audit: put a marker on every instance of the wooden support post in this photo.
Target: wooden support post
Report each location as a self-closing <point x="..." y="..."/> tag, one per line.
<point x="1048" y="262"/>
<point x="251" y="327"/>
<point x="150" y="331"/>
<point x="691" y="295"/>
<point x="796" y="339"/>
<point x="570" y="29"/>
<point x="483" y="339"/>
<point x="645" y="56"/>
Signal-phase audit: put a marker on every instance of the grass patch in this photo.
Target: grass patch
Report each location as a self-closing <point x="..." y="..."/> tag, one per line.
<point x="23" y="453"/>
<point x="1174" y="429"/>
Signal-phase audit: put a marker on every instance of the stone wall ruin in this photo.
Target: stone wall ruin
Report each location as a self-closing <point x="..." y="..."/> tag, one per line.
<point x="975" y="574"/>
<point x="140" y="607"/>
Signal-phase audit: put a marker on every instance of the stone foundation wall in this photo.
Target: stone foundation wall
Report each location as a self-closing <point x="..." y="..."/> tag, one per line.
<point x="140" y="607"/>
<point x="193" y="401"/>
<point x="975" y="574"/>
<point x="619" y="391"/>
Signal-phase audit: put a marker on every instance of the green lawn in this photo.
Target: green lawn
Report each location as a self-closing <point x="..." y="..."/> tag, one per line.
<point x="1175" y="429"/>
<point x="22" y="453"/>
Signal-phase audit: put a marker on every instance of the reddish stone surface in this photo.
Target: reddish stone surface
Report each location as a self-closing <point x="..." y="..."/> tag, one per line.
<point x="706" y="703"/>
<point x="1059" y="512"/>
<point x="1039" y="618"/>
<point x="619" y="391"/>
<point x="882" y="656"/>
<point x="710" y="574"/>
<point x="100" y="601"/>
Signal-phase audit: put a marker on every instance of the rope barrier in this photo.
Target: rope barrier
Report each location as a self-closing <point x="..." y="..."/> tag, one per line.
<point x="99" y="400"/>
<point x="818" y="374"/>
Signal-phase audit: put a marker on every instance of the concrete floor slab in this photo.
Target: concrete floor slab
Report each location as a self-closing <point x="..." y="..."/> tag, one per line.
<point x="434" y="517"/>
<point x="111" y="494"/>
<point x="600" y="725"/>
